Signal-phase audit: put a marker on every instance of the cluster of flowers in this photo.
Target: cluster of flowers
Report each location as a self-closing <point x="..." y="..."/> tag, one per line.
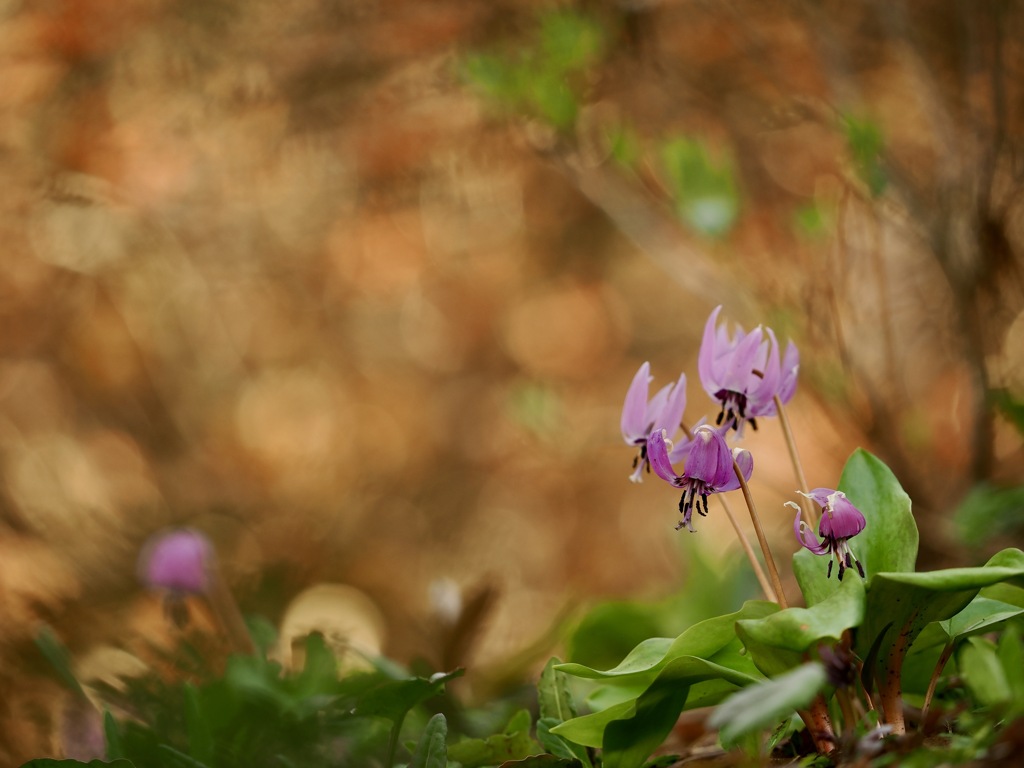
<point x="745" y="374"/>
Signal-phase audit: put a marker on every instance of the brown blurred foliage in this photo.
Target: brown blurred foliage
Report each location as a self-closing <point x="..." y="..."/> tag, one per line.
<point x="272" y="270"/>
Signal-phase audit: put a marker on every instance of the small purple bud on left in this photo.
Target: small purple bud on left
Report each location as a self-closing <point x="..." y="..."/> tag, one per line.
<point x="178" y="561"/>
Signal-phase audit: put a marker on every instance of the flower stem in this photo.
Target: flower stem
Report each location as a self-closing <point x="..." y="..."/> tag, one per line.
<point x="794" y="456"/>
<point x="769" y="561"/>
<point x="943" y="658"/>
<point x="762" y="577"/>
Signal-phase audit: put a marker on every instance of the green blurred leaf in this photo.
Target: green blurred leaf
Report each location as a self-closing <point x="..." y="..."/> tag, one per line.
<point x="514" y="744"/>
<point x="866" y="144"/>
<point x="763" y="705"/>
<point x="703" y="187"/>
<point x="556" y="705"/>
<point x="1011" y="655"/>
<point x="112" y="735"/>
<point x="983" y="673"/>
<point x="989" y="512"/>
<point x="60" y="660"/>
<point x="200" y="738"/>
<point x="1010" y="406"/>
<point x="569" y="40"/>
<point x="887" y="543"/>
<point x="394" y="699"/>
<point x="981" y="615"/>
<point x="431" y="752"/>
<point x="779" y="642"/>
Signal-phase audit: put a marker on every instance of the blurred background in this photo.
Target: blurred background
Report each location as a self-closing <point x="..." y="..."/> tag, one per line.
<point x="357" y="288"/>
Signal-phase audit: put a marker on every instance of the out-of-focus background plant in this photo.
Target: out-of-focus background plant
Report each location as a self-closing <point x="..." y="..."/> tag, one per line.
<point x="356" y="288"/>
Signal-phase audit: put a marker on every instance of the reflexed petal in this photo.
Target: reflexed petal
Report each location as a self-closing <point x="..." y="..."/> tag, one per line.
<point x="655" y="407"/>
<point x="672" y="411"/>
<point x="820" y="496"/>
<point x="710" y="349"/>
<point x="790" y="369"/>
<point x="657" y="454"/>
<point x="804" y="535"/>
<point x="634" y="410"/>
<point x="745" y="461"/>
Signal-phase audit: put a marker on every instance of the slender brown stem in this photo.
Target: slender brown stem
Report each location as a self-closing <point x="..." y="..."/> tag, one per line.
<point x="805" y="504"/>
<point x="762" y="577"/>
<point x="819" y="725"/>
<point x="939" y="665"/>
<point x="769" y="561"/>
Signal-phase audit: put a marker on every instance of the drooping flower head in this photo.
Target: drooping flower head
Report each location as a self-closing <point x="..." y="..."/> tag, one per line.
<point x="840" y="522"/>
<point x="178" y="561"/>
<point x="642" y="417"/>
<point x="743" y="373"/>
<point x="708" y="469"/>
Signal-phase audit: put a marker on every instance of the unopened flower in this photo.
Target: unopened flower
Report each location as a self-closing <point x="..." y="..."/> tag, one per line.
<point x="708" y="469"/>
<point x="840" y="522"/>
<point x="178" y="561"/>
<point x="642" y="417"/>
<point x="743" y="373"/>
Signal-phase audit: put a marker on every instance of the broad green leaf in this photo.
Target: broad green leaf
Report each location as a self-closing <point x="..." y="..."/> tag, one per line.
<point x="514" y="744"/>
<point x="763" y="705"/>
<point x="981" y="615"/>
<point x="983" y="673"/>
<point x="431" y="751"/>
<point x="320" y="670"/>
<point x="628" y="743"/>
<point x="780" y="641"/>
<point x="698" y="681"/>
<point x="889" y="540"/>
<point x="703" y="640"/>
<point x="900" y="605"/>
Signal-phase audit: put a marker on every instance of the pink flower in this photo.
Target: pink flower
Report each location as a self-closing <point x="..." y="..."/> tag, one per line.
<point x="840" y="522"/>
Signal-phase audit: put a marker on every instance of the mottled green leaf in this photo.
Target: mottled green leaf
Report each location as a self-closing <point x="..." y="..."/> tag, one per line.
<point x="514" y="744"/>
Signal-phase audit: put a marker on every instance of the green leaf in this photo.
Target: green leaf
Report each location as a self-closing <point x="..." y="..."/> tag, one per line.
<point x="982" y="671"/>
<point x="553" y="696"/>
<point x="1011" y="656"/>
<point x="865" y="142"/>
<point x="431" y="752"/>
<point x="556" y="705"/>
<point x="200" y="739"/>
<point x="779" y="642"/>
<point x="982" y="614"/>
<point x="112" y="735"/>
<point x="900" y="605"/>
<point x="394" y="699"/>
<point x="763" y="705"/>
<point x="703" y="186"/>
<point x="698" y="682"/>
<point x="703" y="640"/>
<point x="57" y="655"/>
<point x="989" y="512"/>
<point x="514" y="744"/>
<point x="889" y="540"/>
<point x="320" y="670"/>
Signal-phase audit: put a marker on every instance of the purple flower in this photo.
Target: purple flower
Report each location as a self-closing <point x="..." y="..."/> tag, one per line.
<point x="708" y="470"/>
<point x="178" y="561"/>
<point x="642" y="417"/>
<point x="744" y="374"/>
<point x="840" y="522"/>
